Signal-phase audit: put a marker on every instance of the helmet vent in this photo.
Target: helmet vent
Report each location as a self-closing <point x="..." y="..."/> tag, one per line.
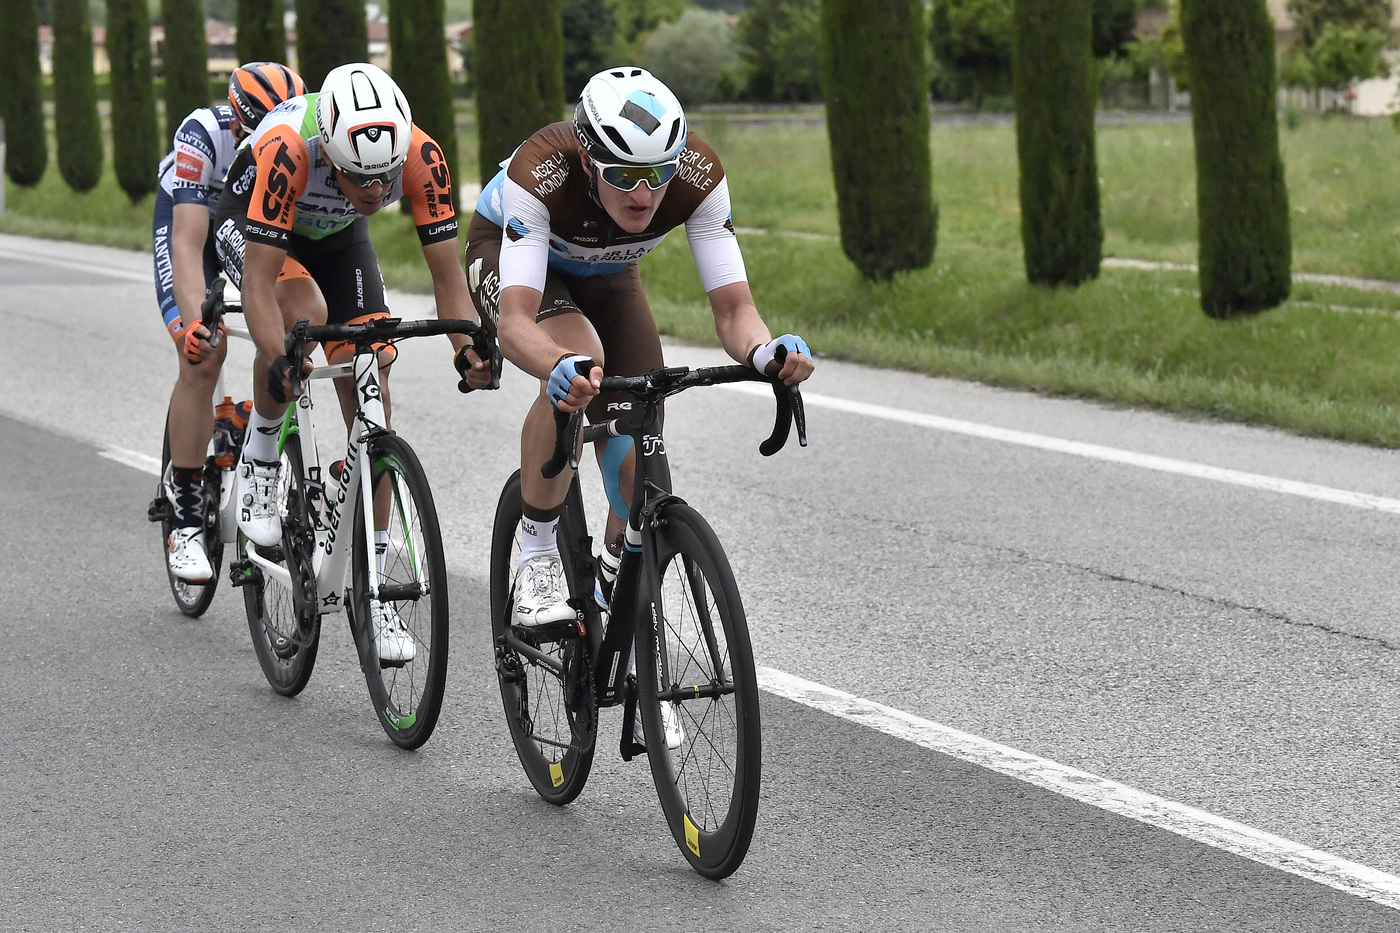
<point x="675" y="131"/>
<point x="618" y="141"/>
<point x="364" y="95"/>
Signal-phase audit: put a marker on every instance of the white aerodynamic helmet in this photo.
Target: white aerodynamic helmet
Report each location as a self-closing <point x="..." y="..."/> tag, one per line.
<point x="626" y="116"/>
<point x="365" y="123"/>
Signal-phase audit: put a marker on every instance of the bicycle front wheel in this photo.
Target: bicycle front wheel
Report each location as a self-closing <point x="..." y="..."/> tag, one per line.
<point x="546" y="687"/>
<point x="193" y="599"/>
<point x="411" y="600"/>
<point x="280" y="597"/>
<point x="698" y="696"/>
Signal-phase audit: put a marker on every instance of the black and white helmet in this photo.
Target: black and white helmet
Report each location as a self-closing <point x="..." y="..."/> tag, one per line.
<point x="364" y="121"/>
<point x="625" y="116"/>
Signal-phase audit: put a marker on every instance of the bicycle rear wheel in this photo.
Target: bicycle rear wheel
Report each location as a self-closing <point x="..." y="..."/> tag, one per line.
<point x="547" y="691"/>
<point x="407" y="697"/>
<point x="696" y="658"/>
<point x="283" y="616"/>
<point x="192" y="599"/>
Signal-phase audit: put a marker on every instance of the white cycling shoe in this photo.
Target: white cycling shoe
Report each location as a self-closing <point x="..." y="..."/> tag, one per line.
<point x="258" y="517"/>
<point x="539" y="593"/>
<point x="184" y="554"/>
<point x="392" y="639"/>
<point x="671" y="725"/>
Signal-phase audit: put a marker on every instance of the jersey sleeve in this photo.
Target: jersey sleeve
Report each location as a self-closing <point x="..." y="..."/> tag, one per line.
<point x="428" y="184"/>
<point x="283" y="166"/>
<point x="195" y="159"/>
<point x="524" y="237"/>
<point x="710" y="229"/>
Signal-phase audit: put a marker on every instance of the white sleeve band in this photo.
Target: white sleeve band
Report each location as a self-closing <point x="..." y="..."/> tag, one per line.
<point x="524" y="237"/>
<point x="712" y="241"/>
<point x="763" y="355"/>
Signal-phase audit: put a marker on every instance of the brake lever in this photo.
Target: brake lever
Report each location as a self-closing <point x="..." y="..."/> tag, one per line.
<point x="211" y="309"/>
<point x="485" y="349"/>
<point x="293" y="342"/>
<point x="566" y="430"/>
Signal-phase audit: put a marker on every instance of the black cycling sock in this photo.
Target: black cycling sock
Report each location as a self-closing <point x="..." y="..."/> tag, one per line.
<point x="188" y="502"/>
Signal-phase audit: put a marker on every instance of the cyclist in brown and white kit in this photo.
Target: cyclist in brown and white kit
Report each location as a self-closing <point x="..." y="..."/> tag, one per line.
<point x="552" y="262"/>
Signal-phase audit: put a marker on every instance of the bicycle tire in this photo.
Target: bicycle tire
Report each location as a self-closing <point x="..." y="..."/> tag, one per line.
<point x="284" y="620"/>
<point x="709" y="786"/>
<point x="193" y="599"/>
<point x="551" y="715"/>
<point x="407" y="698"/>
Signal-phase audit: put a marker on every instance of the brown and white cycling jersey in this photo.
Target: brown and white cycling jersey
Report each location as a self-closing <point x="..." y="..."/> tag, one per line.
<point x="541" y="202"/>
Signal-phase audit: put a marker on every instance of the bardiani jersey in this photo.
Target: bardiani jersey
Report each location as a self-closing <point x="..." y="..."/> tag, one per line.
<point x="193" y="172"/>
<point x="548" y="219"/>
<point x="286" y="186"/>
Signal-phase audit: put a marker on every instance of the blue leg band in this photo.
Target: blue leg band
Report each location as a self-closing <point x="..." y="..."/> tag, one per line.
<point x="613" y="454"/>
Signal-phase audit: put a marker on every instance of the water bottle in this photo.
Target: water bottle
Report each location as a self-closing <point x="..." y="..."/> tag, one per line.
<point x="230" y="426"/>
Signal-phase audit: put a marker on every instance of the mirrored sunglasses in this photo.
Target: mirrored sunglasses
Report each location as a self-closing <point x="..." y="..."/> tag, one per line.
<point x="362" y="180"/>
<point x="628" y="177"/>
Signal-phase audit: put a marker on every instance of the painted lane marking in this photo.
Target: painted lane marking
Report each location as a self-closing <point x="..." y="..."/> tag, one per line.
<point x="143" y="462"/>
<point x="1356" y="500"/>
<point x="91" y="267"/>
<point x="1216" y="831"/>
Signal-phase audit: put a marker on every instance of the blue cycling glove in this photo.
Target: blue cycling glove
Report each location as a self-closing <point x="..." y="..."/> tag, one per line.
<point x="763" y="353"/>
<point x="563" y="374"/>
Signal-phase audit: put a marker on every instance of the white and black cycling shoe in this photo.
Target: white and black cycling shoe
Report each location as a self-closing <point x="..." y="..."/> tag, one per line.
<point x="185" y="556"/>
<point x="258" y="517"/>
<point x="671" y="723"/>
<point x="392" y="639"/>
<point x="539" y="593"/>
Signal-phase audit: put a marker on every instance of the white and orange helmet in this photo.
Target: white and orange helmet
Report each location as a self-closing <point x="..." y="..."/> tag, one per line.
<point x="365" y="123"/>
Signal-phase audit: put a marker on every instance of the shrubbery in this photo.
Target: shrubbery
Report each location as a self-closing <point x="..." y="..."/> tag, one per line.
<point x="691" y="54"/>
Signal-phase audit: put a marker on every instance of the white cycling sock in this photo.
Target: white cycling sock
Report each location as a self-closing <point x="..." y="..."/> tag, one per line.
<point x="260" y="443"/>
<point x="537" y="538"/>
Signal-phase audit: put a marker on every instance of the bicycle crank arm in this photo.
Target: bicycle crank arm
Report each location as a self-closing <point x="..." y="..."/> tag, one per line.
<point x="275" y="571"/>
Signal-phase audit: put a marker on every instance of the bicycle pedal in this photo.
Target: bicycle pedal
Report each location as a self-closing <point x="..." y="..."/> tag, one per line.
<point x="159" y="510"/>
<point x="242" y="573"/>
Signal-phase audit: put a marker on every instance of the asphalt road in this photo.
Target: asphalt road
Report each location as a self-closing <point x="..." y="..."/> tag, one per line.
<point x="1222" y="647"/>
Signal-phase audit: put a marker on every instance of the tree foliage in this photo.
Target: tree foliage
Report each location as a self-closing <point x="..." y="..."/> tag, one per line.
<point x="1311" y="17"/>
<point x="519" y="65"/>
<point x="21" y="104"/>
<point x="690" y="54"/>
<point x="1242" y="200"/>
<point x="77" y="127"/>
<point x="634" y="20"/>
<point x="261" y="34"/>
<point x="1055" y="87"/>
<point x="418" y="54"/>
<point x="588" y="42"/>
<point x="1343" y="54"/>
<point x="340" y="36"/>
<point x="874" y="82"/>
<point x="186" y="61"/>
<point x="136" y="146"/>
<point x="972" y="44"/>
<point x="780" y="43"/>
<point x="1115" y="22"/>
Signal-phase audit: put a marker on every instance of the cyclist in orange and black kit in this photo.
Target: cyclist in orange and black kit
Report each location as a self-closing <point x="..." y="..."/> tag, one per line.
<point x="293" y="235"/>
<point x="552" y="261"/>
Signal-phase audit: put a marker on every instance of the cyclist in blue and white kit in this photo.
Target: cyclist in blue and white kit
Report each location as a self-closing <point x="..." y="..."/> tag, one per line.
<point x="191" y="180"/>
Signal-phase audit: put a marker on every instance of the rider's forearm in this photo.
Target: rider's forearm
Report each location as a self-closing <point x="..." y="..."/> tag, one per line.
<point x="523" y="341"/>
<point x="189" y="228"/>
<point x="453" y="298"/>
<point x="260" y="310"/>
<point x="737" y="322"/>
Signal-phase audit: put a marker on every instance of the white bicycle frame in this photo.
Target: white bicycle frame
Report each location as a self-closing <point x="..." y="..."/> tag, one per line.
<point x="332" y="553"/>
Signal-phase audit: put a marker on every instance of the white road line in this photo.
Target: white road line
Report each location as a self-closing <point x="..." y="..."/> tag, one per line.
<point x="143" y="462"/>
<point x="92" y="267"/>
<point x="1216" y="831"/>
<point x="1356" y="500"/>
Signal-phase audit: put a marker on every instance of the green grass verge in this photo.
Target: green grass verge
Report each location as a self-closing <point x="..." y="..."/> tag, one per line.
<point x="1322" y="364"/>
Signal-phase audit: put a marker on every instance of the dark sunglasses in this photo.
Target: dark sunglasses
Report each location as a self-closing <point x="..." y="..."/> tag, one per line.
<point x="628" y="177"/>
<point x="363" y="180"/>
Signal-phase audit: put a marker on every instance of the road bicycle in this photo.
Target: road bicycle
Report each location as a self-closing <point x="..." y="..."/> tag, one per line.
<point x="220" y="525"/>
<point x="676" y="598"/>
<point x="379" y="485"/>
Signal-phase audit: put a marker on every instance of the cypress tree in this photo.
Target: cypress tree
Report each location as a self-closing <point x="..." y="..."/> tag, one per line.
<point x="21" y="106"/>
<point x="418" y="53"/>
<point x="875" y="82"/>
<point x="1055" y="83"/>
<point x="518" y="60"/>
<point x="1241" y="196"/>
<point x="336" y="34"/>
<point x="77" y="127"/>
<point x="186" y="62"/>
<point x="261" y="35"/>
<point x="136" y="148"/>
